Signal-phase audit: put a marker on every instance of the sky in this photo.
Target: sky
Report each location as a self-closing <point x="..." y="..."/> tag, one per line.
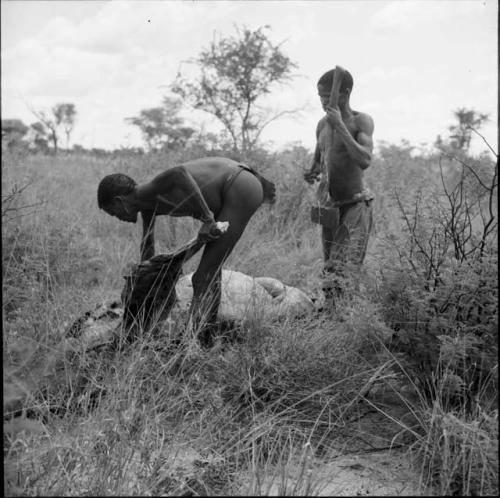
<point x="413" y="62"/>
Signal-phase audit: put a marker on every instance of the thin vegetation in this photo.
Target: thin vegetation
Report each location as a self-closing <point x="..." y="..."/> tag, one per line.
<point x="259" y="412"/>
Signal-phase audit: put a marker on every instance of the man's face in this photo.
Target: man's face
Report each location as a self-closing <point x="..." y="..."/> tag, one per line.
<point x="324" y="95"/>
<point x="122" y="210"/>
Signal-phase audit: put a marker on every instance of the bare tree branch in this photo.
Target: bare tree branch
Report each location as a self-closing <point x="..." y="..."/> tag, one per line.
<point x="484" y="140"/>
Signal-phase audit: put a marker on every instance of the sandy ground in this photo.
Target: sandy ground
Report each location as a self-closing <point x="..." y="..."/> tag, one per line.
<point x="385" y="473"/>
<point x="370" y="458"/>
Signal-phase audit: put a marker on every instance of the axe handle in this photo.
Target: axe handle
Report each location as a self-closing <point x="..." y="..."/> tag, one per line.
<point x="335" y="91"/>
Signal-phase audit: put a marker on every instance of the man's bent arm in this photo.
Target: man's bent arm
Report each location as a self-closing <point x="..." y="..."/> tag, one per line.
<point x="315" y="168"/>
<point x="197" y="200"/>
<point x="316" y="162"/>
<point x="360" y="149"/>
<point x="148" y="240"/>
<point x="193" y="200"/>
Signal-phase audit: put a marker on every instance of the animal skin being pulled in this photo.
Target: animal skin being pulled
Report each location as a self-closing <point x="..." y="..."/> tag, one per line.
<point x="153" y="287"/>
<point x="149" y="289"/>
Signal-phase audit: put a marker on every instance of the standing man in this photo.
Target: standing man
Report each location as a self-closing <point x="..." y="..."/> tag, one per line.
<point x="344" y="147"/>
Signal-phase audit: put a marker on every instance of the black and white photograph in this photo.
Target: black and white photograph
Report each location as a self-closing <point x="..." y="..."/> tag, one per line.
<point x="250" y="247"/>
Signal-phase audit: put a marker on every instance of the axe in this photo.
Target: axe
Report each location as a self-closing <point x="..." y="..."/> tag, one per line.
<point x="326" y="215"/>
<point x="333" y="101"/>
<point x="335" y="91"/>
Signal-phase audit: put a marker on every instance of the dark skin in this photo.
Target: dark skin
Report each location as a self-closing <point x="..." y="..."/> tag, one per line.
<point x="198" y="189"/>
<point x="344" y="156"/>
<point x="352" y="147"/>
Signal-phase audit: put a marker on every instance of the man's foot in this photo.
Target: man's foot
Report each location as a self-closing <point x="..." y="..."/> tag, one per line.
<point x="206" y="336"/>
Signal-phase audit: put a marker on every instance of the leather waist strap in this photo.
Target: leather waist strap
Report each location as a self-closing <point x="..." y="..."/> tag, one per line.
<point x="365" y="195"/>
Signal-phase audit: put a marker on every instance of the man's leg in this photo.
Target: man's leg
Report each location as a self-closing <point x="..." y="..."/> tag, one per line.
<point x="207" y="283"/>
<point x="328" y="287"/>
<point x="334" y="271"/>
<point x="349" y="245"/>
<point x="359" y="221"/>
<point x="240" y="203"/>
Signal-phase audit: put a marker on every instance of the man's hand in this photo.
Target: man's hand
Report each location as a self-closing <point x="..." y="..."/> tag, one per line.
<point x="334" y="116"/>
<point x="311" y="176"/>
<point x="212" y="230"/>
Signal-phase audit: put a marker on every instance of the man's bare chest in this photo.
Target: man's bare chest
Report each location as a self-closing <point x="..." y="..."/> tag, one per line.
<point x="330" y="140"/>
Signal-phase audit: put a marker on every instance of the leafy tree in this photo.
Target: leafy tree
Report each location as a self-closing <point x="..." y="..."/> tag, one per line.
<point x="162" y="127"/>
<point x="77" y="148"/>
<point x="38" y="129"/>
<point x="461" y="132"/>
<point x="39" y="136"/>
<point x="50" y="128"/>
<point x="63" y="114"/>
<point x="13" y="131"/>
<point x="234" y="74"/>
<point x="468" y="119"/>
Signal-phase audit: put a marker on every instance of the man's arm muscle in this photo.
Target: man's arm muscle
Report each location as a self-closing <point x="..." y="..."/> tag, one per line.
<point x="187" y="196"/>
<point x="317" y="152"/>
<point x="360" y="149"/>
<point x="314" y="171"/>
<point x="148" y="230"/>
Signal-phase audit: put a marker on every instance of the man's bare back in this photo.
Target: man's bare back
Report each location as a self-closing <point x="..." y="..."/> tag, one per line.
<point x="211" y="189"/>
<point x="211" y="176"/>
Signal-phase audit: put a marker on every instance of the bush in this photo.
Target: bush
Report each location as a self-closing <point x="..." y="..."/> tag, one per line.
<point x="254" y="403"/>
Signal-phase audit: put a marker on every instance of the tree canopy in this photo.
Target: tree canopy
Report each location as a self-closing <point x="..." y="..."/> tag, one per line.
<point x="234" y="73"/>
<point x="162" y="127"/>
<point x="461" y="132"/>
<point x="62" y="115"/>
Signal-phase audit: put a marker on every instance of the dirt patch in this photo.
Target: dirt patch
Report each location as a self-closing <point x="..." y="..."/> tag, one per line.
<point x="386" y="473"/>
<point x="369" y="457"/>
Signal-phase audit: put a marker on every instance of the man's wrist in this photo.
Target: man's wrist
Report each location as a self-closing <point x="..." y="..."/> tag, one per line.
<point x="208" y="220"/>
<point x="332" y="122"/>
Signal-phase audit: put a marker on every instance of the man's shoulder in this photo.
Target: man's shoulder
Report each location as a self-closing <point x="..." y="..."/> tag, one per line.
<point x="362" y="117"/>
<point x="321" y="124"/>
<point x="364" y="121"/>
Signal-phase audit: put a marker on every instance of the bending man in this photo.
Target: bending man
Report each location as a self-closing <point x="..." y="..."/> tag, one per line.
<point x="208" y="189"/>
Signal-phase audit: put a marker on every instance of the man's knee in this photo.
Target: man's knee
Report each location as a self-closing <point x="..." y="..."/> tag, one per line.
<point x="201" y="278"/>
<point x="204" y="282"/>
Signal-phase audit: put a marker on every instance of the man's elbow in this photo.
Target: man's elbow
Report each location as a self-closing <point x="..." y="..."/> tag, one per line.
<point x="365" y="160"/>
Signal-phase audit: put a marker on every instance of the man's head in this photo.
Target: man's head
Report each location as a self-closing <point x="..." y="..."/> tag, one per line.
<point x="114" y="196"/>
<point x="325" y="86"/>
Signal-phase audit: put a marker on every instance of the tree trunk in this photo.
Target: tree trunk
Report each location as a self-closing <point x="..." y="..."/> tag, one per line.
<point x="54" y="141"/>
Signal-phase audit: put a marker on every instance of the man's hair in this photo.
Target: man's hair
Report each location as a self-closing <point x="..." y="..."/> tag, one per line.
<point x="112" y="186"/>
<point x="327" y="80"/>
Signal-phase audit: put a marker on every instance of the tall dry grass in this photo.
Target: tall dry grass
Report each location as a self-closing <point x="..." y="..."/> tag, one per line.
<point x="154" y="419"/>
